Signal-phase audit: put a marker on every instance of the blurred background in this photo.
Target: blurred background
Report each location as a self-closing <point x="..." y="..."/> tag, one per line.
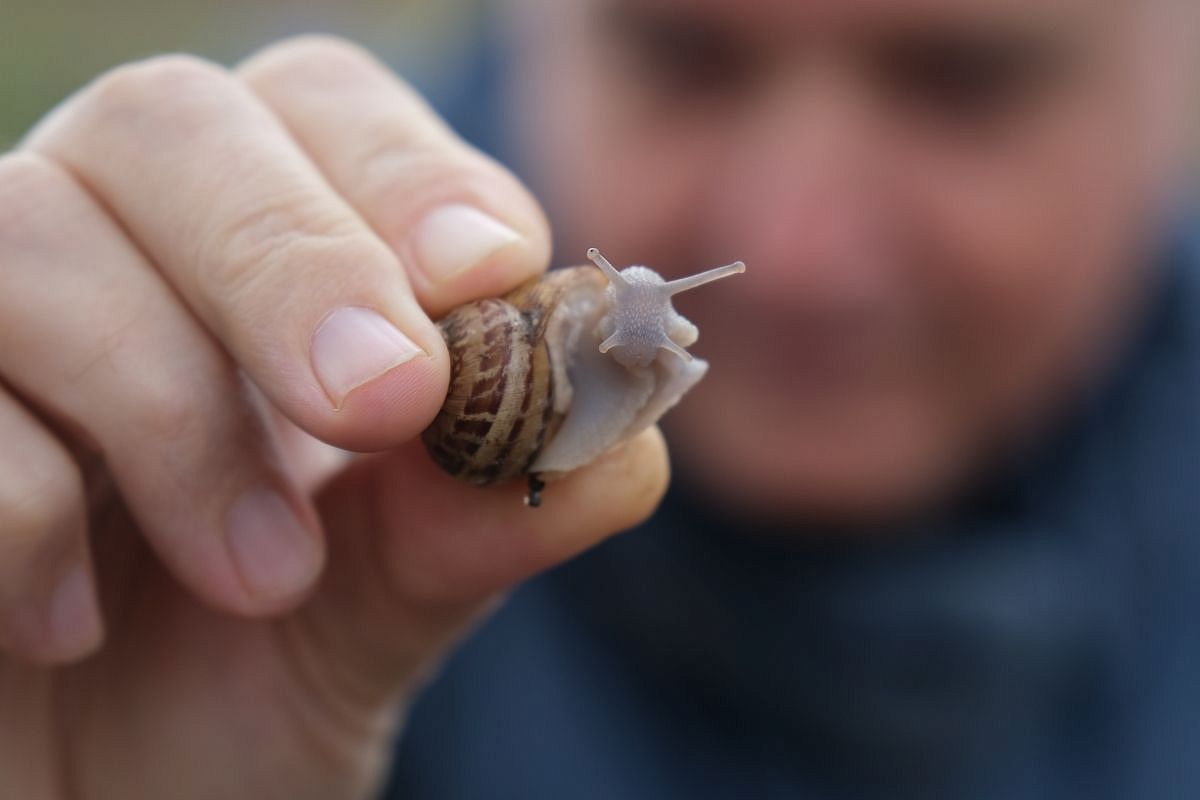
<point x="49" y="49"/>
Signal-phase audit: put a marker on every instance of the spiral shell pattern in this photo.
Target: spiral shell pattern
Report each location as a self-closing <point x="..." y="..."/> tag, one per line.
<point x="561" y="369"/>
<point x="500" y="407"/>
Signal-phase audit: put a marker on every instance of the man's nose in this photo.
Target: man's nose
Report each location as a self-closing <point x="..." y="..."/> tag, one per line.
<point x="802" y="196"/>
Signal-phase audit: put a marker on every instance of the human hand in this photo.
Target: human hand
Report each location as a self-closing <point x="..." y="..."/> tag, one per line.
<point x="210" y="281"/>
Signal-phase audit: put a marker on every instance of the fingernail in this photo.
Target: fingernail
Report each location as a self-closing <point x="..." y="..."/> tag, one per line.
<point x="354" y="345"/>
<point x="275" y="554"/>
<point x="74" y="616"/>
<point x="455" y="238"/>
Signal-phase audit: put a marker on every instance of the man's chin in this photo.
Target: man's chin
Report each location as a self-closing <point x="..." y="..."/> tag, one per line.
<point x="824" y="504"/>
<point x="825" y="486"/>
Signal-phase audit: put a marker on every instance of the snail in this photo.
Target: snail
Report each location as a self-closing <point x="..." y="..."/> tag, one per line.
<point x="562" y="368"/>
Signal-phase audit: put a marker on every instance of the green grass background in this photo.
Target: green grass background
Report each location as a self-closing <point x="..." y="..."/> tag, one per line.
<point x="49" y="48"/>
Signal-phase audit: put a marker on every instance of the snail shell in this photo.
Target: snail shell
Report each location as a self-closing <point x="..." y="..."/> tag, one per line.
<point x="561" y="369"/>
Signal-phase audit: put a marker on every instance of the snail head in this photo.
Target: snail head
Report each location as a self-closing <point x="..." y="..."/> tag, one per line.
<point x="641" y="320"/>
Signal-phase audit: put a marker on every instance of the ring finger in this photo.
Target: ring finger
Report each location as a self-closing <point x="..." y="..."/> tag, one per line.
<point x="48" y="608"/>
<point x="95" y="340"/>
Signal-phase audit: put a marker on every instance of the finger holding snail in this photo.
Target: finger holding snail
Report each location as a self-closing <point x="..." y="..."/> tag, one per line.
<point x="417" y="555"/>
<point x="459" y="543"/>
<point x="462" y="225"/>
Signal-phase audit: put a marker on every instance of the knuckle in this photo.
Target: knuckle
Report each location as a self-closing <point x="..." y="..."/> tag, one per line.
<point x="408" y="162"/>
<point x="22" y="171"/>
<point x="36" y="500"/>
<point x="171" y="410"/>
<point x="160" y="82"/>
<point x="401" y="173"/>
<point x="156" y="78"/>
<point x="29" y="186"/>
<point x="254" y="244"/>
<point x="314" y="53"/>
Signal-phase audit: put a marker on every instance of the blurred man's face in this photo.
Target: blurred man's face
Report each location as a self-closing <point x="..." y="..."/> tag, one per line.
<point x="945" y="208"/>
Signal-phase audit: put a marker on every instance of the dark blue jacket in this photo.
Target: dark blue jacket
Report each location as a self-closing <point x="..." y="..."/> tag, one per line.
<point x="1042" y="643"/>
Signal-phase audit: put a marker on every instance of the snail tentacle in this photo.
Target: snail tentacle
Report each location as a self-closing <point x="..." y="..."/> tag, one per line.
<point x="596" y="257"/>
<point x="692" y="281"/>
<point x="668" y="344"/>
<point x="611" y="342"/>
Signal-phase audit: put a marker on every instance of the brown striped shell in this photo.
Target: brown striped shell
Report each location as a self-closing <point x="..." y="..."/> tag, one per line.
<point x="500" y="408"/>
<point x="548" y="377"/>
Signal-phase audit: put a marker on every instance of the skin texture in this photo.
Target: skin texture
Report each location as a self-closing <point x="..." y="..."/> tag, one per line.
<point x="942" y="279"/>
<point x="168" y="236"/>
<point x="943" y="262"/>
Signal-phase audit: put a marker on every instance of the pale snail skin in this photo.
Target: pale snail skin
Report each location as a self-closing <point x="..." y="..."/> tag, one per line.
<point x="561" y="369"/>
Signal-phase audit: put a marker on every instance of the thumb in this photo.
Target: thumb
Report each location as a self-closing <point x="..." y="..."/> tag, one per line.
<point x="415" y="556"/>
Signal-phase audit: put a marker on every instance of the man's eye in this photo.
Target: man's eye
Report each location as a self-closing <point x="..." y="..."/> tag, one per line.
<point x="681" y="56"/>
<point x="965" y="80"/>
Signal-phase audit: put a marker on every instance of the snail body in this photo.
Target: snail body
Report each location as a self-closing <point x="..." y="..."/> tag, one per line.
<point x="564" y="367"/>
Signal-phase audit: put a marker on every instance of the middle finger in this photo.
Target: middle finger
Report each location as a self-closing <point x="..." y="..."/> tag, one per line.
<point x="462" y="224"/>
<point x="289" y="278"/>
<point x="93" y="338"/>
